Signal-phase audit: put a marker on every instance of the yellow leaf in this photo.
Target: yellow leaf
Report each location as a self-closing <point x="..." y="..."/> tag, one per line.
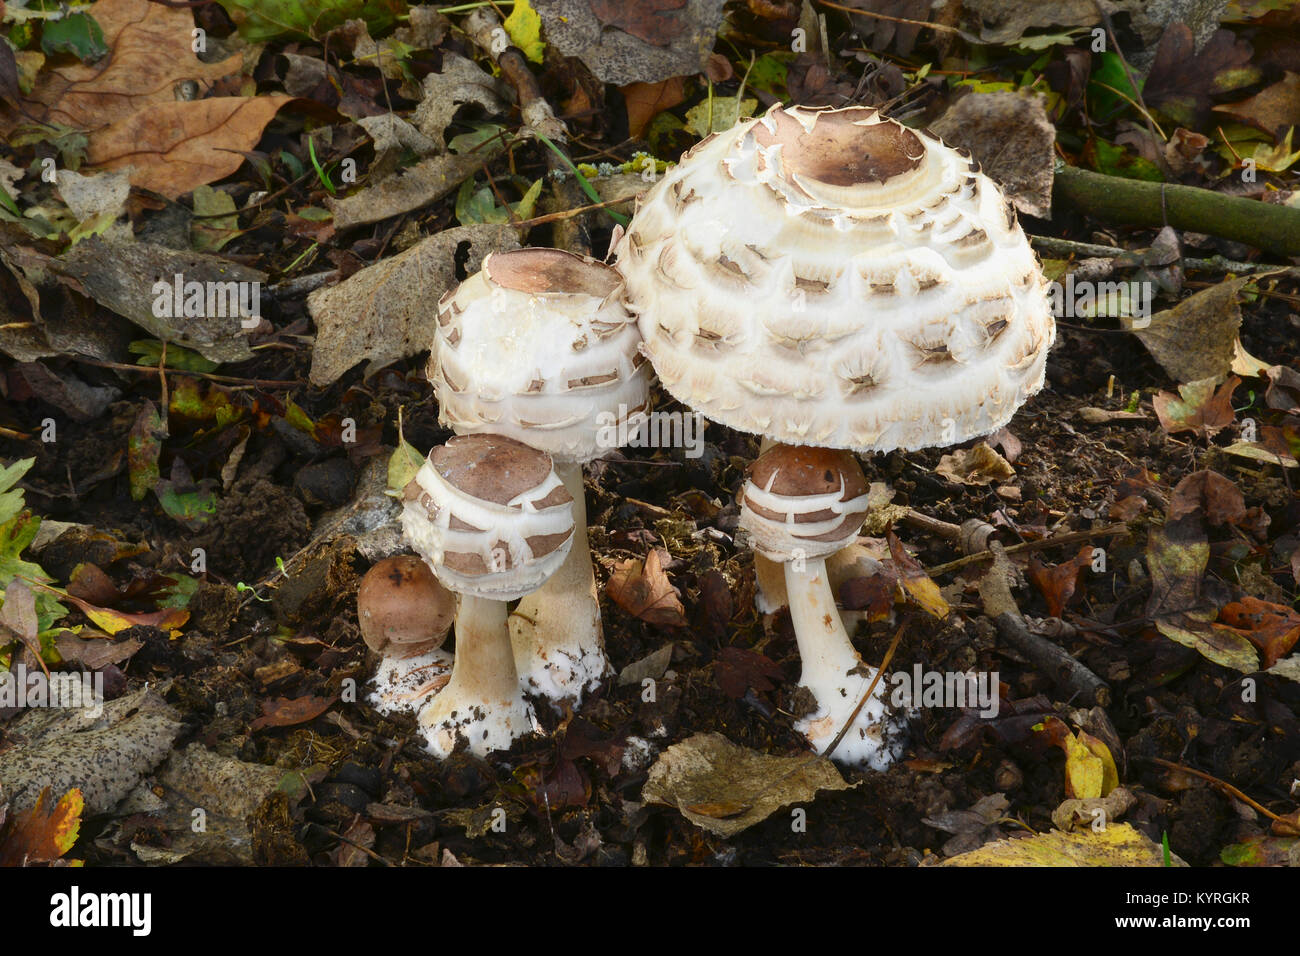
<point x="926" y="593"/>
<point x="1084" y="772"/>
<point x="1109" y="772"/>
<point x="1117" y="845"/>
<point x="525" y="29"/>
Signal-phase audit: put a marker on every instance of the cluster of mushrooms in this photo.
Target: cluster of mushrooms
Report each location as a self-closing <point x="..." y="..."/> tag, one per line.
<point x="827" y="279"/>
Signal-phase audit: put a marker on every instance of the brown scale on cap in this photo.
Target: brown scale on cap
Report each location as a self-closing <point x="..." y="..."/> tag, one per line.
<point x="495" y="469"/>
<point x="840" y="152"/>
<point x="402" y="608"/>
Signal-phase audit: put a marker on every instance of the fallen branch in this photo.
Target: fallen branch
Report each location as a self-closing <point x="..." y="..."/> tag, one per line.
<point x="1053" y="660"/>
<point x="1135" y="202"/>
<point x="1065" y="248"/>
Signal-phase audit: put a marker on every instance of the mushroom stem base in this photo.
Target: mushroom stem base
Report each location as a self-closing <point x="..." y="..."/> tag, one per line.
<point x="483" y="701"/>
<point x="836" y="676"/>
<point x="555" y="631"/>
<point x="406" y="684"/>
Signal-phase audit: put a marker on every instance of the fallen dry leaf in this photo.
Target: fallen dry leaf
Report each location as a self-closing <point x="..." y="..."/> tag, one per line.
<point x="1117" y="845"/>
<point x="284" y="712"/>
<point x="642" y="588"/>
<point x="1211" y="494"/>
<point x="738" y="669"/>
<point x="1199" y="407"/>
<point x="641" y="42"/>
<point x="1058" y="582"/>
<point x="384" y="312"/>
<point x="644" y="101"/>
<point x="172" y="148"/>
<point x="918" y="585"/>
<point x="977" y="465"/>
<point x="725" y="788"/>
<point x="1273" y="628"/>
<point x="149" y="54"/>
<point x="1013" y="139"/>
<point x="1197" y="338"/>
<point x="41" y="835"/>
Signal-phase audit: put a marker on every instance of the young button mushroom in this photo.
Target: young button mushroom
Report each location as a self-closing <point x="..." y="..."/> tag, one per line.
<point x="799" y="505"/>
<point x="405" y="615"/>
<point x="538" y="346"/>
<point x="830" y="277"/>
<point x="493" y="521"/>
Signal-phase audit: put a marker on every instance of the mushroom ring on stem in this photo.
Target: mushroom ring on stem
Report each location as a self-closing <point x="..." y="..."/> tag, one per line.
<point x="830" y="277"/>
<point x="799" y="505"/>
<point x="405" y="615"/>
<point x="493" y="521"/>
<point x="539" y="346"/>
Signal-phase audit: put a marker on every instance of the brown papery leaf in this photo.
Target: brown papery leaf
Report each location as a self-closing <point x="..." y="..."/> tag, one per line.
<point x="1210" y="493"/>
<point x="175" y="147"/>
<point x="645" y="100"/>
<point x="150" y="53"/>
<point x="1058" y="582"/>
<point x="42" y="835"/>
<point x="1199" y="407"/>
<point x="643" y="590"/>
<point x="655" y="21"/>
<point x="1273" y="628"/>
<point x="1273" y="109"/>
<point x="283" y="712"/>
<point x="738" y="669"/>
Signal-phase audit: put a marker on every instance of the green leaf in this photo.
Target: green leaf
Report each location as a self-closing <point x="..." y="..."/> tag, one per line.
<point x="717" y="114"/>
<point x="524" y="27"/>
<point x="768" y="75"/>
<point x="150" y="352"/>
<point x="77" y="33"/>
<point x="1108" y="86"/>
<point x="11" y="499"/>
<point x="402" y="465"/>
<point x="260" y="20"/>
<point x="482" y="132"/>
<point x="192" y="507"/>
<point x="218" y="223"/>
<point x="143" y="448"/>
<point x="180" y="593"/>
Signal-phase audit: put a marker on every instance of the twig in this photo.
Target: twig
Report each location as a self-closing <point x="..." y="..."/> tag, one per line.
<point x="484" y="28"/>
<point x="1053" y="660"/>
<point x="1224" y="785"/>
<point x="1070" y="537"/>
<point x="151" y="370"/>
<point x="1052" y="246"/>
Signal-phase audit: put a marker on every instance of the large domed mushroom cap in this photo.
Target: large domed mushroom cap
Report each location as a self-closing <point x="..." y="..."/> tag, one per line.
<point x="538" y="345"/>
<point x="829" y="277"/>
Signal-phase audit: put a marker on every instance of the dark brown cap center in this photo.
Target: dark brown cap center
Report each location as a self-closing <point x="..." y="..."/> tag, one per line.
<point x="841" y="153"/>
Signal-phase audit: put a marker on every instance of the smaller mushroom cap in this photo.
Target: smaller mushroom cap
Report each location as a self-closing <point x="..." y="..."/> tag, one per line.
<point x="402" y="608"/>
<point x="490" y="516"/>
<point x="803" y="501"/>
<point x="539" y="346"/>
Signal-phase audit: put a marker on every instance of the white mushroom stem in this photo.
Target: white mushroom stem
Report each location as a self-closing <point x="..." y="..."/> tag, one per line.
<point x="555" y="631"/>
<point x="483" y="700"/>
<point x="836" y="676"/>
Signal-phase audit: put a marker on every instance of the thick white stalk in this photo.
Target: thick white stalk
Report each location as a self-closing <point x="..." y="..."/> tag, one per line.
<point x="555" y="631"/>
<point x="836" y="676"/>
<point x="483" y="700"/>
